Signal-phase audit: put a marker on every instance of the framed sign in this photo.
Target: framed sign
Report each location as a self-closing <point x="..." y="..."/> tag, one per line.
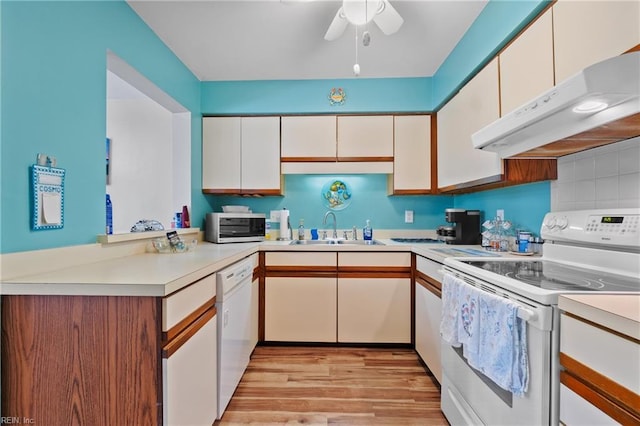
<point x="47" y="197"/>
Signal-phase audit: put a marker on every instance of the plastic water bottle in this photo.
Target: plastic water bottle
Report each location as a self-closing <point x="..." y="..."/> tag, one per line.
<point x="109" y="228"/>
<point x="367" y="232"/>
<point x="301" y="230"/>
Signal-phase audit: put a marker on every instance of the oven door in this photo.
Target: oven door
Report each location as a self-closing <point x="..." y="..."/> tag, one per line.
<point x="470" y="398"/>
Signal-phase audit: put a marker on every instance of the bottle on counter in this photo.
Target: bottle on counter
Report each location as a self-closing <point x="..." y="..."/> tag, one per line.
<point x="367" y="232"/>
<point x="301" y="230"/>
<point x="109" y="227"/>
<point x="186" y="223"/>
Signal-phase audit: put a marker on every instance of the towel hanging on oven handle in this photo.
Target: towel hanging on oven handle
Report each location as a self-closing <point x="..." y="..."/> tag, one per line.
<point x="523" y="313"/>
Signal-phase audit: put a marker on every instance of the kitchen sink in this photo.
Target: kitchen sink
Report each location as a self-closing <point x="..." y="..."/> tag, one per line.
<point x="336" y="242"/>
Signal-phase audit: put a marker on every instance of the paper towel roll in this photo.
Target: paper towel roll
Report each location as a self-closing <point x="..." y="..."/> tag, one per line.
<point x="284" y="224"/>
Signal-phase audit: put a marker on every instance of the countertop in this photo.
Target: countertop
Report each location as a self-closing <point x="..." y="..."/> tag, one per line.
<point x="617" y="312"/>
<point x="153" y="274"/>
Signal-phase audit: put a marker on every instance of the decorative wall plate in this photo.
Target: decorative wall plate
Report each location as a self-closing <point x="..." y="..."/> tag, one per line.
<point x="337" y="96"/>
<point x="336" y="194"/>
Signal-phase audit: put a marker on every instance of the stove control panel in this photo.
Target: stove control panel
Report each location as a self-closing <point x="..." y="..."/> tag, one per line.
<point x="614" y="227"/>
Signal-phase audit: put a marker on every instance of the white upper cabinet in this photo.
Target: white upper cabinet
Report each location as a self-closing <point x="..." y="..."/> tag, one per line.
<point x="241" y="155"/>
<point x="260" y="154"/>
<point x="412" y="154"/>
<point x="475" y="106"/>
<point x="526" y="66"/>
<point x="309" y="138"/>
<point x="365" y="136"/>
<point x="221" y="148"/>
<point x="586" y="32"/>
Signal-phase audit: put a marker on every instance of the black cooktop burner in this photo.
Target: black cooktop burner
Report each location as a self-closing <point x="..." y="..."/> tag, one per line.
<point x="556" y="276"/>
<point x="415" y="240"/>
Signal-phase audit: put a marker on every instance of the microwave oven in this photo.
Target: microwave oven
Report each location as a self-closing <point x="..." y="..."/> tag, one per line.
<point x="235" y="227"/>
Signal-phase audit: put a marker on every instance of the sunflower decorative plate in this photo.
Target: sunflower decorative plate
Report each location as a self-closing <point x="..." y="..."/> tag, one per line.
<point x="336" y="195"/>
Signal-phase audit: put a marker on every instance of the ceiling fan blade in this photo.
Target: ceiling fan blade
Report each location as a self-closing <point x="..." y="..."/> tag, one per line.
<point x="388" y="19"/>
<point x="337" y="26"/>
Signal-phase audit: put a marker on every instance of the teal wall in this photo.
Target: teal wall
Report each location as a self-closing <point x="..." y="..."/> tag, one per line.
<point x="311" y="96"/>
<point x="53" y="75"/>
<point x="524" y="205"/>
<point x="303" y="198"/>
<point x="54" y="102"/>
<point x="499" y="22"/>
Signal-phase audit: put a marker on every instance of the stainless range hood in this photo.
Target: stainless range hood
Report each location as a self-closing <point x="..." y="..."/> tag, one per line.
<point x="572" y="116"/>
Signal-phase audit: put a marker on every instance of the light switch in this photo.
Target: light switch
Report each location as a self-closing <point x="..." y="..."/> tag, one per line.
<point x="408" y="216"/>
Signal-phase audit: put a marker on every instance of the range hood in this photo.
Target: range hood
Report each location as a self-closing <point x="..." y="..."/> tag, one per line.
<point x="572" y="116"/>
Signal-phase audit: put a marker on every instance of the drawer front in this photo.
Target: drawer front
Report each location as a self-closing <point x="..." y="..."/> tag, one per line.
<point x="430" y="268"/>
<point x="374" y="259"/>
<point x="606" y="353"/>
<point x="300" y="259"/>
<point x="179" y="305"/>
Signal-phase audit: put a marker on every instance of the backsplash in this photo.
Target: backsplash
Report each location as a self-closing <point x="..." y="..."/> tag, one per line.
<point x="604" y="177"/>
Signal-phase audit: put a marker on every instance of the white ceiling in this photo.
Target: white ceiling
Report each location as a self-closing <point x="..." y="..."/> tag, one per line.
<point x="284" y="40"/>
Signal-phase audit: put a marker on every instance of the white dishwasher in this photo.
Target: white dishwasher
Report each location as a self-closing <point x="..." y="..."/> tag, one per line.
<point x="233" y="302"/>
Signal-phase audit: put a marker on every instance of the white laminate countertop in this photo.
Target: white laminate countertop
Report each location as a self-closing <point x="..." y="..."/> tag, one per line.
<point x="617" y="312"/>
<point x="145" y="274"/>
<point x="153" y="274"/>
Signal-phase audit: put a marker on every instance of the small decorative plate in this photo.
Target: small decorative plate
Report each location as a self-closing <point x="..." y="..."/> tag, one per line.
<point x="336" y="195"/>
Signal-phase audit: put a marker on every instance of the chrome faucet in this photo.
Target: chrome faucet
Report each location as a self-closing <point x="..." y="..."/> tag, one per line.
<point x="335" y="224"/>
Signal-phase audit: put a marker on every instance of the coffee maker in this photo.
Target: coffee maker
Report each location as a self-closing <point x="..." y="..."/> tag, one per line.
<point x="464" y="228"/>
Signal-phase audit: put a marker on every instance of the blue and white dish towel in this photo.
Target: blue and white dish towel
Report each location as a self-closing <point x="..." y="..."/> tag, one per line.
<point x="493" y="338"/>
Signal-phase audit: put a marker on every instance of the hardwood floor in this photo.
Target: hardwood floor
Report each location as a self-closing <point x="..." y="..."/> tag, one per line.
<point x="331" y="385"/>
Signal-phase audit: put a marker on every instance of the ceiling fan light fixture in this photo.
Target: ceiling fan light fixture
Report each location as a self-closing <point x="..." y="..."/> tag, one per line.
<point x="361" y="12"/>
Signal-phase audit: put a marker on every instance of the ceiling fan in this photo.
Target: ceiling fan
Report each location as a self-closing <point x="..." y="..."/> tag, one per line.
<point x="361" y="12"/>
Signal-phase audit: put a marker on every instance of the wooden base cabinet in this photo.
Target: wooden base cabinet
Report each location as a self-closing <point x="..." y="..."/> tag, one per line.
<point x="374" y="297"/>
<point x="300" y="309"/>
<point x="107" y="360"/>
<point x="374" y="310"/>
<point x="600" y="377"/>
<point x="345" y="297"/>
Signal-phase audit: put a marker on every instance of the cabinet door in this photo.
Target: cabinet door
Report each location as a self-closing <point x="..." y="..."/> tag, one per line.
<point x="260" y="167"/>
<point x="526" y="66"/>
<point x="374" y="310"/>
<point x="190" y="377"/>
<point x="412" y="154"/>
<point x="586" y="32"/>
<point x="309" y="138"/>
<point x="365" y="137"/>
<point x="221" y="164"/>
<point x="300" y="309"/>
<point x="474" y="107"/>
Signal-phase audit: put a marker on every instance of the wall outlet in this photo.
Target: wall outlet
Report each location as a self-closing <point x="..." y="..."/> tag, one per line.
<point x="274" y="216"/>
<point x="500" y="214"/>
<point x="408" y="216"/>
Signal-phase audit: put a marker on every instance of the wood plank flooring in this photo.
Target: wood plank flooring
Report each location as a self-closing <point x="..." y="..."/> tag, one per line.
<point x="331" y="385"/>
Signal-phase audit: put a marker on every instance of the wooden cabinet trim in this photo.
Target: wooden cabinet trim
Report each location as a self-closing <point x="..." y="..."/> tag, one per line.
<point x="172" y="346"/>
<point x="600" y="386"/>
<point x="170" y="334"/>
<point x="365" y="159"/>
<point x="374" y="272"/>
<point x="293" y="271"/>
<point x="429" y="283"/>
<point x="308" y="159"/>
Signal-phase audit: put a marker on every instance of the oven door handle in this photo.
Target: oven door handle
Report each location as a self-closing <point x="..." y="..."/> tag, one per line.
<point x="523" y="313"/>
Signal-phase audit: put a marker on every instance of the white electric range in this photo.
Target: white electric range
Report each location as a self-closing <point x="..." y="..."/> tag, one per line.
<point x="584" y="251"/>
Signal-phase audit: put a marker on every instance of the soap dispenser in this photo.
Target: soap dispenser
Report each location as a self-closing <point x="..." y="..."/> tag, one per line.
<point x="367" y="232"/>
